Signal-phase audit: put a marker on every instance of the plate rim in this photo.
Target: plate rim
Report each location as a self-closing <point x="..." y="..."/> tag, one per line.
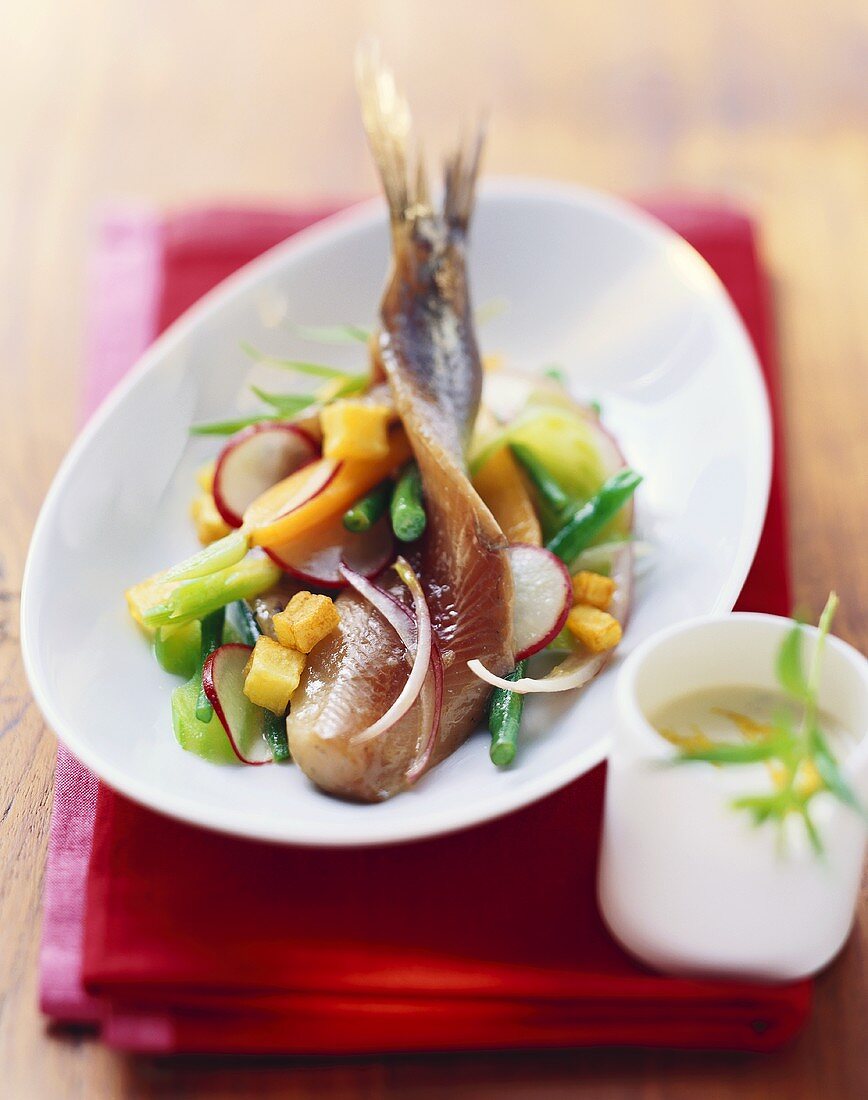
<point x="360" y="216"/>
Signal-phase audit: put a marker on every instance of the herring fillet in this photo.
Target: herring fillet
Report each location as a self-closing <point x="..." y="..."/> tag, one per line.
<point x="427" y="350"/>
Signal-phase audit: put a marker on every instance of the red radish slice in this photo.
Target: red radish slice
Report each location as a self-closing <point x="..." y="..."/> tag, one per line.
<point x="280" y="499"/>
<point x="398" y="620"/>
<point x="253" y="461"/>
<point x="244" y="722"/>
<point x="316" y="556"/>
<point x="581" y="667"/>
<point x="543" y="597"/>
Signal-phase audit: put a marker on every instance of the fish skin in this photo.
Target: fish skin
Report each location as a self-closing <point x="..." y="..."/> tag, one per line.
<point x="428" y="352"/>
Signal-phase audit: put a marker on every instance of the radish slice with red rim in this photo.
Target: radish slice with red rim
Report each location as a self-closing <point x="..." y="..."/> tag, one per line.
<point x="316" y="556"/>
<point x="301" y="487"/>
<point x="397" y="617"/>
<point x="253" y="461"/>
<point x="244" y="722"/>
<point x="543" y="597"/>
<point x="580" y="667"/>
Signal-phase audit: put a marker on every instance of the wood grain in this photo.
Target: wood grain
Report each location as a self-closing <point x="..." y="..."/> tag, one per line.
<point x="175" y="101"/>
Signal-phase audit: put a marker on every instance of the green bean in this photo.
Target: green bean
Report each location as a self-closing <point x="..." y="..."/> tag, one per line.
<point x="550" y="492"/>
<point x="212" y="636"/>
<point x="275" y="735"/>
<point x="407" y="509"/>
<point x="365" y="512"/>
<point x="589" y="519"/>
<point x="245" y="622"/>
<point x="504" y="719"/>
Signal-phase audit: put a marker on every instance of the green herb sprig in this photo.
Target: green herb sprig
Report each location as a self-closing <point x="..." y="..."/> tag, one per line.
<point x="798" y="753"/>
<point x="284" y="406"/>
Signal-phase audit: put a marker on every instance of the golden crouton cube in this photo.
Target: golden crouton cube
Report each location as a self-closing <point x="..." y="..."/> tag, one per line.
<point x="205" y="477"/>
<point x="596" y="629"/>
<point x="209" y="524"/>
<point x="355" y="429"/>
<point x="593" y="588"/>
<point x="273" y="673"/>
<point x="308" y="618"/>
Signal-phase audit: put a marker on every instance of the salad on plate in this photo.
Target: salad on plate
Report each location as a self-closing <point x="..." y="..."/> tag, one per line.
<point x="407" y="551"/>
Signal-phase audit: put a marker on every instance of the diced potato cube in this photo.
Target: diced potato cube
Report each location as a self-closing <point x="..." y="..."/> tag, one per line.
<point x="209" y="524"/>
<point x="596" y="629"/>
<point x="308" y="618"/>
<point x="355" y="429"/>
<point x="205" y="477"/>
<point x="273" y="674"/>
<point x="593" y="588"/>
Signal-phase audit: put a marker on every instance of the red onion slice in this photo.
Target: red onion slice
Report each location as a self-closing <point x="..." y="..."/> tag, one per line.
<point x="401" y="618"/>
<point x="423" y="642"/>
<point x="430" y="721"/>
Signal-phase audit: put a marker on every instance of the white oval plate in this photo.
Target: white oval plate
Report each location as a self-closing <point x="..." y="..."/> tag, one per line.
<point x="636" y="317"/>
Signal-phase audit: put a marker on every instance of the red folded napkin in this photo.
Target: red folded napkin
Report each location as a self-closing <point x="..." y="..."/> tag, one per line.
<point x="170" y="938"/>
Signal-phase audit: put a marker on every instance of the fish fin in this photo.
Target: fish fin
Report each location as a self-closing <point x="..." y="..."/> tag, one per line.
<point x="387" y="122"/>
<point x="461" y="171"/>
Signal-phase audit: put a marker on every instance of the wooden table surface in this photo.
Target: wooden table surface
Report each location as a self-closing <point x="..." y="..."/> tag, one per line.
<point x="178" y="101"/>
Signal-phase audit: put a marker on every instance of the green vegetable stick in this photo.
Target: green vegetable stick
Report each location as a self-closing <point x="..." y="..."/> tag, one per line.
<point x="365" y="512"/>
<point x="592" y="517"/>
<point x="551" y="494"/>
<point x="212" y="636"/>
<point x="222" y="554"/>
<point x="504" y="719"/>
<point x="275" y="735"/>
<point x="177" y="648"/>
<point x="245" y="622"/>
<point x="407" y="509"/>
<point x="195" y="598"/>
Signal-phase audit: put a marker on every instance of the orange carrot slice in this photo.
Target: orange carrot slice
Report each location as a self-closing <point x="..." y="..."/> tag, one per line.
<point x="272" y="520"/>
<point x="501" y="485"/>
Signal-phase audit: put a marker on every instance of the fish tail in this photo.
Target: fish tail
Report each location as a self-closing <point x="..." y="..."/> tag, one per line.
<point x="388" y="124"/>
<point x="461" y="171"/>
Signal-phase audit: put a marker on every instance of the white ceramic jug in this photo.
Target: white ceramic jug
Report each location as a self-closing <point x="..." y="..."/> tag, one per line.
<point x="689" y="884"/>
